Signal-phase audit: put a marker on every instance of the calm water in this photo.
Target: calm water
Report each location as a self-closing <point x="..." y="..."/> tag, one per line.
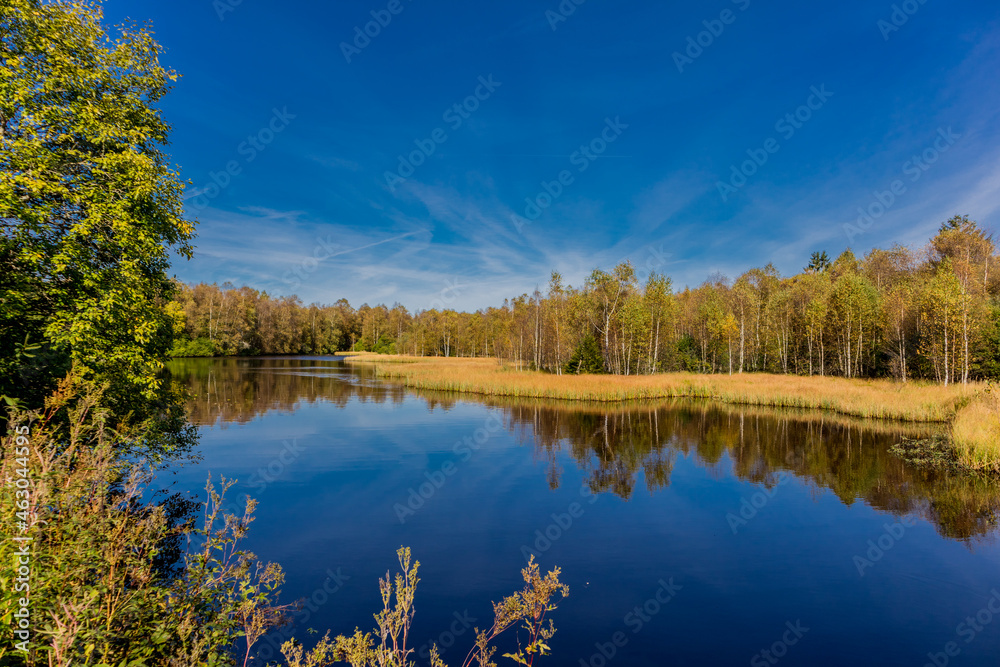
<point x="795" y="533"/>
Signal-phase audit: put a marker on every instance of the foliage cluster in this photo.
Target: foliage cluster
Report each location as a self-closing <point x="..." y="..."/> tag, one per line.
<point x="388" y="644"/>
<point x="586" y="358"/>
<point x="123" y="576"/>
<point x="117" y="577"/>
<point x="90" y="211"/>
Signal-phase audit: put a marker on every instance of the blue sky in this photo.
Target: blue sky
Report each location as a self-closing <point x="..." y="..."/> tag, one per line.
<point x="594" y="94"/>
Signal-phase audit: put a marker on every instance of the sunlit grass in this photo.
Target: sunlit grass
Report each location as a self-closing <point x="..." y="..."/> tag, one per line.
<point x="976" y="432"/>
<point x="869" y="399"/>
<point x="901" y="428"/>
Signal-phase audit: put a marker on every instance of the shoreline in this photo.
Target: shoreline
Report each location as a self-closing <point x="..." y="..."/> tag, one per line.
<point x="970" y="413"/>
<point x="913" y="402"/>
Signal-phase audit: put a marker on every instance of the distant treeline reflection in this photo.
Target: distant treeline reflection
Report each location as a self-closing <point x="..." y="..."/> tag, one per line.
<point x="240" y="389"/>
<point x="613" y="446"/>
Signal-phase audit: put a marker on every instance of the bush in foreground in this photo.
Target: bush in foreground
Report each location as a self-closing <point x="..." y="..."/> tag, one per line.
<point x="114" y="578"/>
<point x="386" y="646"/>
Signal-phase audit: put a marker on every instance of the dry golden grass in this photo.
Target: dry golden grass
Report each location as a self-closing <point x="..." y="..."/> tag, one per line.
<point x="906" y="429"/>
<point x="869" y="399"/>
<point x="976" y="432"/>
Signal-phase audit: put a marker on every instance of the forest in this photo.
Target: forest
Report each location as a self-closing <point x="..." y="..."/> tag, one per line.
<point x="931" y="313"/>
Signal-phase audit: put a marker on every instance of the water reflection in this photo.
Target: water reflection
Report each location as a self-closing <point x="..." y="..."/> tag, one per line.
<point x="635" y="446"/>
<point x="238" y="390"/>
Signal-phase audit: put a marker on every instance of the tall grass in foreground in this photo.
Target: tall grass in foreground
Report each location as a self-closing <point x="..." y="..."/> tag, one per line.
<point x="118" y="575"/>
<point x="976" y="432"/>
<point x="110" y="572"/>
<point x="387" y="645"/>
<point x="869" y="399"/>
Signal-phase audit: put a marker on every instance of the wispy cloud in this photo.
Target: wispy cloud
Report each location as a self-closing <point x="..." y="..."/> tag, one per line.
<point x="655" y="203"/>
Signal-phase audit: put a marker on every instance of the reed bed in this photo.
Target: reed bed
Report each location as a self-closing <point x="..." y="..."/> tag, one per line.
<point x="905" y="429"/>
<point x="868" y="399"/>
<point x="975" y="432"/>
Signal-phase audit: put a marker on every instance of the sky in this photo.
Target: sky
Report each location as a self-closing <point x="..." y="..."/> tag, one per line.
<point x="453" y="154"/>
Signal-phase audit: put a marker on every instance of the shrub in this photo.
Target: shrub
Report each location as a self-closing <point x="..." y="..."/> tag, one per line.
<point x="527" y="607"/>
<point x="116" y="579"/>
<point x="989" y="358"/>
<point x="199" y="347"/>
<point x="384" y="346"/>
<point x="112" y="581"/>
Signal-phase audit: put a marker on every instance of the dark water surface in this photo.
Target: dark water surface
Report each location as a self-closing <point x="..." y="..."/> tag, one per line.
<point x="796" y="533"/>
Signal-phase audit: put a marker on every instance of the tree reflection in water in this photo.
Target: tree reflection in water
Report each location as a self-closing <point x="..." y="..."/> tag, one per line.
<point x="616" y="445"/>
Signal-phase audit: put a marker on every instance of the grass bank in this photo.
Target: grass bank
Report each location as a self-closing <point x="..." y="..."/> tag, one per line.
<point x="975" y="432"/>
<point x="972" y="412"/>
<point x="869" y="399"/>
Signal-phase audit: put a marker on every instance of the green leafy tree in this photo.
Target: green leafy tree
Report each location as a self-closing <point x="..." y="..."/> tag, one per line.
<point x="89" y="206"/>
<point x="989" y="350"/>
<point x="847" y="262"/>
<point x="941" y="309"/>
<point x="608" y="292"/>
<point x="632" y="324"/>
<point x="662" y="309"/>
<point x="854" y="311"/>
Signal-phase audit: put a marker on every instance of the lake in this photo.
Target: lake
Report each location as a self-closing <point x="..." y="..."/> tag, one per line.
<point x="690" y="533"/>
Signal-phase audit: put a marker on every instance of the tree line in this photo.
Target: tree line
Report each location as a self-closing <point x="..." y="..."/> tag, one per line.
<point x="930" y="313"/>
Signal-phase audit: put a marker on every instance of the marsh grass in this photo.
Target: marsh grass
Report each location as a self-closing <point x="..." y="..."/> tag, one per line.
<point x="897" y="428"/>
<point x="975" y="432"/>
<point x="867" y="399"/>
